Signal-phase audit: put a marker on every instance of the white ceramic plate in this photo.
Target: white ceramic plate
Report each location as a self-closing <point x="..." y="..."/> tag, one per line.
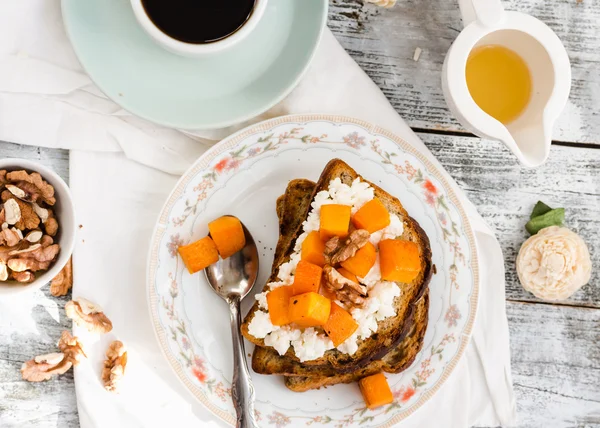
<point x="243" y="175"/>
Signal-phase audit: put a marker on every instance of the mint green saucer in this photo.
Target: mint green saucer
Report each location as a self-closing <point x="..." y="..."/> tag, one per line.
<point x="179" y="92"/>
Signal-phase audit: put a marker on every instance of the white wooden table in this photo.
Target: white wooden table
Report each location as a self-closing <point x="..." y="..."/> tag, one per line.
<point x="555" y="347"/>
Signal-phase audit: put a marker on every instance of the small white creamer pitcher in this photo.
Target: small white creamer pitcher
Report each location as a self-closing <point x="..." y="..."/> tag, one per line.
<point x="487" y="23"/>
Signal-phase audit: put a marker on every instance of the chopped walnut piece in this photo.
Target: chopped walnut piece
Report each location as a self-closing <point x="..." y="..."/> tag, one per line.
<point x="34" y="236"/>
<point x="10" y="236"/>
<point x="33" y="185"/>
<point x="114" y="365"/>
<point x="338" y="250"/>
<point x="346" y="290"/>
<point x="3" y="271"/>
<point x="3" y="179"/>
<point x="23" y="277"/>
<point x="71" y="347"/>
<point x="23" y="264"/>
<point x="51" y="225"/>
<point x="12" y="212"/>
<point x="43" y="367"/>
<point x="89" y="315"/>
<point x="62" y="283"/>
<point x="27" y="218"/>
<point x="42" y="213"/>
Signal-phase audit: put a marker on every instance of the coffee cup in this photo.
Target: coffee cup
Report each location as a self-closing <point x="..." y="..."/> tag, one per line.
<point x="172" y="27"/>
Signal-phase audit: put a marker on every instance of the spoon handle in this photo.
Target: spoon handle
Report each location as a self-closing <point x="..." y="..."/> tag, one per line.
<point x="242" y="388"/>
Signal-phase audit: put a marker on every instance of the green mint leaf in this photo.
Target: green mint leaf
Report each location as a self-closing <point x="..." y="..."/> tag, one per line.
<point x="554" y="217"/>
<point x="539" y="209"/>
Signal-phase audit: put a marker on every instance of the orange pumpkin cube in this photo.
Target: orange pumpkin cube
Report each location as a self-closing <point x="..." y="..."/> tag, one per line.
<point x="278" y="301"/>
<point x="228" y="234"/>
<point x="313" y="249"/>
<point x="399" y="260"/>
<point x="361" y="263"/>
<point x="372" y="216"/>
<point x="375" y="391"/>
<point x="347" y="274"/>
<point x="199" y="255"/>
<point x="335" y="220"/>
<point x="309" y="309"/>
<point x="340" y="325"/>
<point x="307" y="278"/>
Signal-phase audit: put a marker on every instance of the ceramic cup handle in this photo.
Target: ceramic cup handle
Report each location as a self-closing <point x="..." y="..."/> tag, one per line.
<point x="241" y="387"/>
<point x="487" y="12"/>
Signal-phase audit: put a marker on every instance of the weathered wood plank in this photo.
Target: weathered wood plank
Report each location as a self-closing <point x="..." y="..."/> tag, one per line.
<point x="555" y="354"/>
<point x="30" y="325"/>
<point x="383" y="42"/>
<point x="505" y="192"/>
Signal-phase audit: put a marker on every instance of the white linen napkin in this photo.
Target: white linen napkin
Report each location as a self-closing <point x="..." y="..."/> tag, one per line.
<point x="122" y="169"/>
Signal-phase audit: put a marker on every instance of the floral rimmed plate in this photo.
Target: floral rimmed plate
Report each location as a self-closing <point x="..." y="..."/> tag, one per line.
<point x="243" y="175"/>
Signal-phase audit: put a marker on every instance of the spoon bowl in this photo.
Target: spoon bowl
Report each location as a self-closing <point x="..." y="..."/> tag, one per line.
<point x="232" y="279"/>
<point x="235" y="275"/>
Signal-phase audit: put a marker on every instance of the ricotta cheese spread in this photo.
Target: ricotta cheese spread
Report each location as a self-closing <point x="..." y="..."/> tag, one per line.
<point x="309" y="344"/>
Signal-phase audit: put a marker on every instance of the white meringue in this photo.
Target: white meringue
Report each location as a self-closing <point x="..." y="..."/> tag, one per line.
<point x="554" y="263"/>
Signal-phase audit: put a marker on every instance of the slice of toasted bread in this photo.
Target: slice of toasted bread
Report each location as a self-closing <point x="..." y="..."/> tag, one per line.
<point x="396" y="361"/>
<point x="392" y="330"/>
<point x="296" y="199"/>
<point x="268" y="361"/>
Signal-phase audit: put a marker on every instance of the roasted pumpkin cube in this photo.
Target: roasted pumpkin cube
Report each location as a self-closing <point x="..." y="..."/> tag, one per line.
<point x="376" y="390"/>
<point x="278" y="301"/>
<point x="340" y="325"/>
<point x="347" y="274"/>
<point x="361" y="263"/>
<point x="199" y="255"/>
<point x="372" y="216"/>
<point x="399" y="260"/>
<point x="307" y="278"/>
<point x="335" y="221"/>
<point x="228" y="234"/>
<point x="313" y="249"/>
<point x="309" y="309"/>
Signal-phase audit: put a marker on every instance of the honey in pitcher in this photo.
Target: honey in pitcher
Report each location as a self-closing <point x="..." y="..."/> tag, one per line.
<point x="499" y="81"/>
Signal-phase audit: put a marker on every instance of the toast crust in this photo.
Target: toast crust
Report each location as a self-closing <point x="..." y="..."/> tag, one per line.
<point x="392" y="330"/>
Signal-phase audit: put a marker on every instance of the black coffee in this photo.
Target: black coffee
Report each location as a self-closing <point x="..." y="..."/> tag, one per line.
<point x="198" y="21"/>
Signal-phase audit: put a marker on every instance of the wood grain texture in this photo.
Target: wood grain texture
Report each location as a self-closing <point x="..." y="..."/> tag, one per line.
<point x="31" y="324"/>
<point x="555" y="353"/>
<point x="383" y="42"/>
<point x="505" y="193"/>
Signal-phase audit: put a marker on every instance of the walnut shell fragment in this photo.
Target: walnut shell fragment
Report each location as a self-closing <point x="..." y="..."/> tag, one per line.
<point x="89" y="315"/>
<point x="114" y="365"/>
<point x="62" y="283"/>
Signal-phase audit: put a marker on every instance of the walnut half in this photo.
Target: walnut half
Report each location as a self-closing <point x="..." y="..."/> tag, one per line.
<point x="62" y="283"/>
<point x="347" y="291"/>
<point x="114" y="365"/>
<point x="89" y="315"/>
<point x="43" y="367"/>
<point x="338" y="250"/>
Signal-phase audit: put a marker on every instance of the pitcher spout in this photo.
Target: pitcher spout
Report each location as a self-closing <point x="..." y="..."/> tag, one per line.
<point x="530" y="141"/>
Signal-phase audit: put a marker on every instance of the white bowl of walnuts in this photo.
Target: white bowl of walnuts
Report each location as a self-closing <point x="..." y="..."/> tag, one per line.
<point x="37" y="225"/>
